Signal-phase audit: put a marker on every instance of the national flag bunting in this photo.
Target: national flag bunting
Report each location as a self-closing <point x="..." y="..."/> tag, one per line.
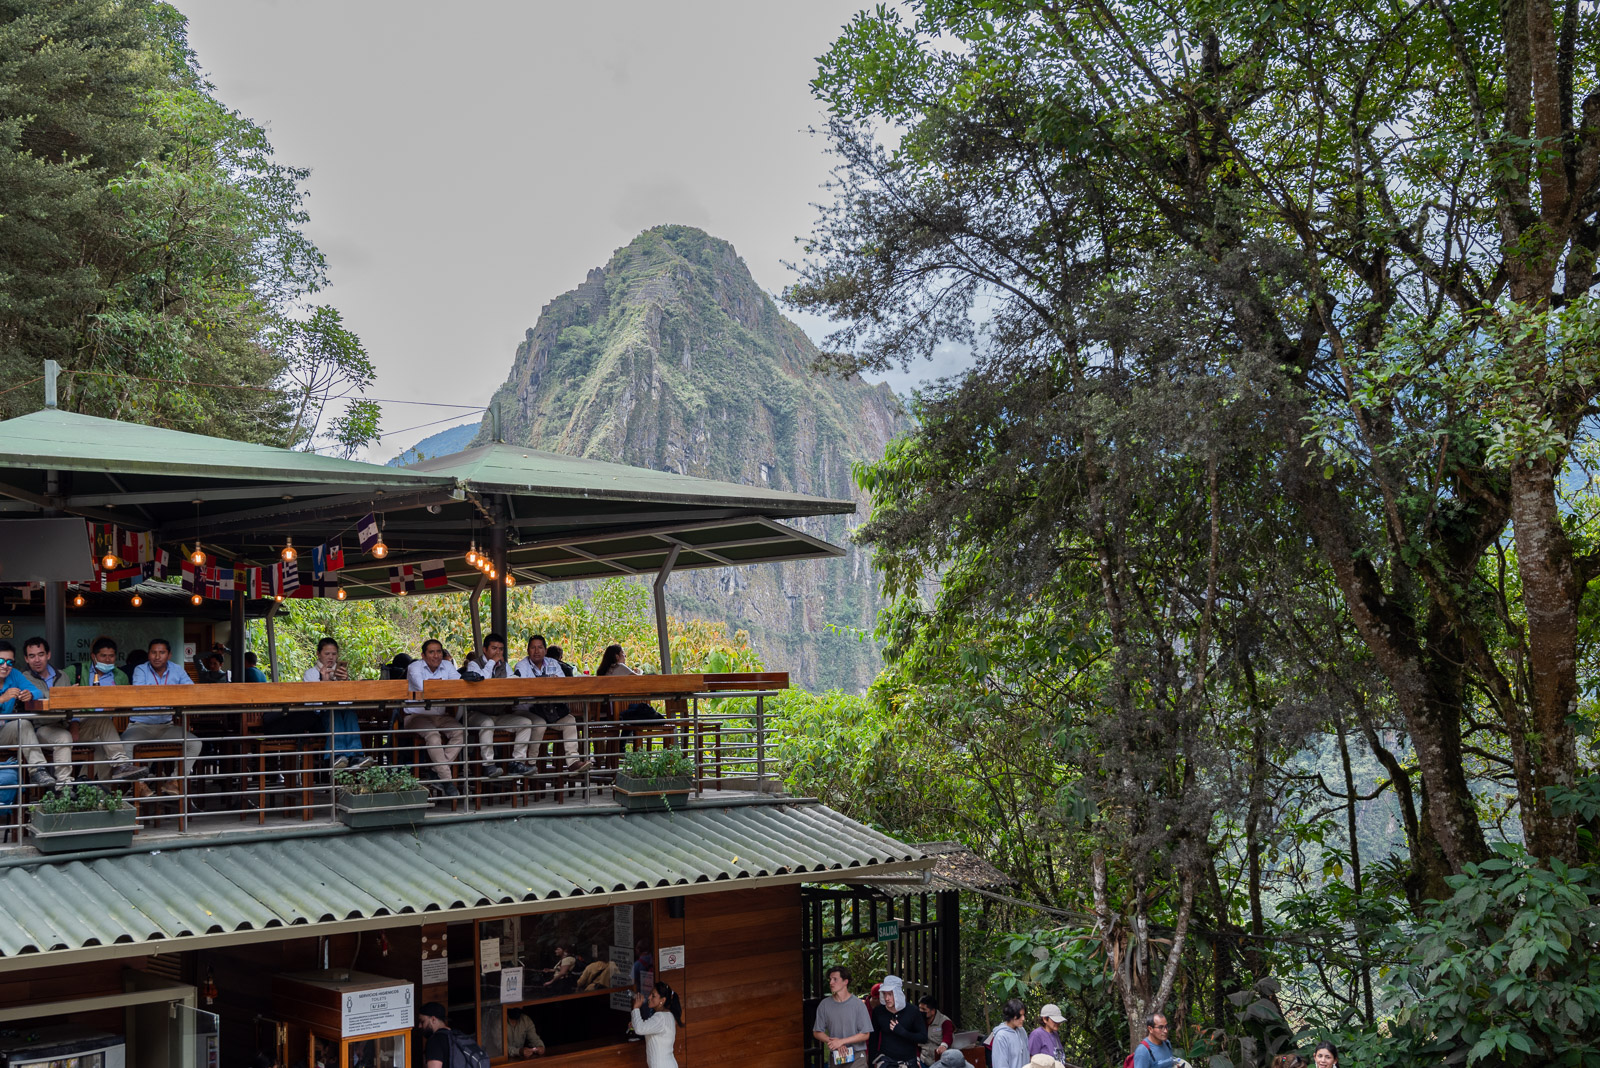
<point x="329" y="557"/>
<point x="323" y="584"/>
<point x="401" y="577"/>
<point x="367" y="532"/>
<point x="433" y="574"/>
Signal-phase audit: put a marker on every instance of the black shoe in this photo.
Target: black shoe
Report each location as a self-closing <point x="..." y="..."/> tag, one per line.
<point x="493" y="771"/>
<point x="41" y="777"/>
<point x="519" y="769"/>
<point x="448" y="789"/>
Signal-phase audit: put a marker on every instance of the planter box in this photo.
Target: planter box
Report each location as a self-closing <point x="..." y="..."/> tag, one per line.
<point x="71" y="832"/>
<point x="381" y="810"/>
<point x="650" y="795"/>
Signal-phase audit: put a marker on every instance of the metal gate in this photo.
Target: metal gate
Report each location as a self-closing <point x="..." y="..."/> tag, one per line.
<point x="915" y="936"/>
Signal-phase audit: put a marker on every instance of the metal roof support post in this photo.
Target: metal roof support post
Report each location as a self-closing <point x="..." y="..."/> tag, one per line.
<point x="497" y="559"/>
<point x="236" y="642"/>
<point x="661" y="609"/>
<point x="477" y="617"/>
<point x="55" y="593"/>
<point x="272" y="642"/>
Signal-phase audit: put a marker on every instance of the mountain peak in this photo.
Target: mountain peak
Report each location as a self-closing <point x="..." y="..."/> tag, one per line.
<point x="672" y="357"/>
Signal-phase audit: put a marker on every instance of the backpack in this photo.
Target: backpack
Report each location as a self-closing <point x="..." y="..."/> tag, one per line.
<point x="1127" y="1062"/>
<point x="464" y="1052"/>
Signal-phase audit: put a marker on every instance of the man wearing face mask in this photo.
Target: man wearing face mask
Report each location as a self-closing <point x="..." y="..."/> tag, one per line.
<point x="16" y="729"/>
<point x="901" y="1026"/>
<point x="97" y="730"/>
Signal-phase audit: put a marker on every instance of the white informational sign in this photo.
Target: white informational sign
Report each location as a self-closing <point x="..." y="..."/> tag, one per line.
<point x="435" y="970"/>
<point x="369" y="1012"/>
<point x="510" y="984"/>
<point x="489" y="955"/>
<point x="622" y="925"/>
<point x="671" y="959"/>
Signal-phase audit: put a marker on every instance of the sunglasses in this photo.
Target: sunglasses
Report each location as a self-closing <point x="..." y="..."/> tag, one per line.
<point x="7" y="660"/>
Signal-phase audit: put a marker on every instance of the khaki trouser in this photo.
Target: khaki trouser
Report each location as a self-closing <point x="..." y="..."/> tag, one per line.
<point x="57" y="736"/>
<point x="165" y="732"/>
<point x="19" y="733"/>
<point x="443" y="737"/>
<point x="520" y="726"/>
<point x="101" y="732"/>
<point x="569" y="735"/>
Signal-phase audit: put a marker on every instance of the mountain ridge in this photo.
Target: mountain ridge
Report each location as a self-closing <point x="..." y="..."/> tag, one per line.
<point x="672" y="357"/>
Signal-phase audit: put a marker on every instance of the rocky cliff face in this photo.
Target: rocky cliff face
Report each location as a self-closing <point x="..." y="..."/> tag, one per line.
<point x="671" y="357"/>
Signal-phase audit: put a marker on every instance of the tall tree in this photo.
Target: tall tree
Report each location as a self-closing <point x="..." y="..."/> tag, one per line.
<point x="1372" y="224"/>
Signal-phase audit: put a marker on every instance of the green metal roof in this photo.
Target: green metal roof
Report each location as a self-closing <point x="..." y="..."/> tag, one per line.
<point x="513" y="470"/>
<point x="171" y="899"/>
<point x="52" y="439"/>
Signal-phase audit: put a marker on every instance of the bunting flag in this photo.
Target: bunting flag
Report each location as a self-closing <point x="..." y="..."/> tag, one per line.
<point x="253" y="583"/>
<point x="159" y="566"/>
<point x="291" y="576"/>
<point x="400" y="579"/>
<point x="323" y="584"/>
<point x="326" y="558"/>
<point x="112" y="581"/>
<point x="367" y="532"/>
<point x="433" y="574"/>
<point x="190" y="578"/>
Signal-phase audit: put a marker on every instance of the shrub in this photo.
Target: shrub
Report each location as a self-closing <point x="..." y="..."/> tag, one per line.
<point x="80" y="797"/>
<point x="377" y="779"/>
<point x="653" y="764"/>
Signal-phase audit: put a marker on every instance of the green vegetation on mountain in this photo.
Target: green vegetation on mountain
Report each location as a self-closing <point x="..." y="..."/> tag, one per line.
<point x="671" y="357"/>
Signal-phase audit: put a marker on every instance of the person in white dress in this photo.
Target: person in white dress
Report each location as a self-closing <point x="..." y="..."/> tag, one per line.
<point x="660" y="1031"/>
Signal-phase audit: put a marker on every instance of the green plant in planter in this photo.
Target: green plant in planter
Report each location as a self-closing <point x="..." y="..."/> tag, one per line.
<point x="377" y="779"/>
<point x="649" y="765"/>
<point x="80" y="797"/>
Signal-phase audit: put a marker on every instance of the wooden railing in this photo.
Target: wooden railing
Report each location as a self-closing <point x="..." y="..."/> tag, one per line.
<point x="250" y="766"/>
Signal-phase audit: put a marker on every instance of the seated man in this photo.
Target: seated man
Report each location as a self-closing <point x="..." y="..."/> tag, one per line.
<point x="51" y="731"/>
<point x="156" y="725"/>
<point x="561" y="976"/>
<point x="252" y="673"/>
<point x="100" y="731"/>
<point x="492" y="665"/>
<point x="442" y="734"/>
<point x="523" y="1041"/>
<point x="16" y="727"/>
<point x="539" y="665"/>
<point x="211" y="669"/>
<point x="346" y="729"/>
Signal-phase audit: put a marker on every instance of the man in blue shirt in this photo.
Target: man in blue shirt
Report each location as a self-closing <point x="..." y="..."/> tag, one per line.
<point x="16" y="728"/>
<point x="1155" y="1051"/>
<point x="155" y="725"/>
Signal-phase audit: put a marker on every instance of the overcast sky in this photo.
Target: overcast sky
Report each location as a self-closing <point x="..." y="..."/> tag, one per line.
<point x="471" y="161"/>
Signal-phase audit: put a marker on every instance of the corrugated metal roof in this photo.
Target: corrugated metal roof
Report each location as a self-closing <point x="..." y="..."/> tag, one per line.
<point x="66" y="441"/>
<point x="155" y="897"/>
<point x="514" y="469"/>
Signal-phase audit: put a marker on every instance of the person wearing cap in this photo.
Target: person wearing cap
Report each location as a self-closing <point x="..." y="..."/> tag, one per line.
<point x="843" y="1024"/>
<point x="434" y="1021"/>
<point x="1046" y="1038"/>
<point x="941" y="1032"/>
<point x="1008" y="1045"/>
<point x="900" y="1026"/>
<point x="951" y="1058"/>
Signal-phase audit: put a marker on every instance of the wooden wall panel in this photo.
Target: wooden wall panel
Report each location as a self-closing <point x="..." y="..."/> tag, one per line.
<point x="741" y="983"/>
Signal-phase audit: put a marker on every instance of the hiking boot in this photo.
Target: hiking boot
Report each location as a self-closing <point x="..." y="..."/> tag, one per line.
<point x="172" y="788"/>
<point x="41" y="777"/>
<point x="519" y="769"/>
<point x="578" y="767"/>
<point x="128" y="771"/>
<point x="448" y="788"/>
<point x="493" y="771"/>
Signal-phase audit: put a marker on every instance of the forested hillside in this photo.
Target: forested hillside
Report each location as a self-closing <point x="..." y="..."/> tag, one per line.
<point x="671" y="357"/>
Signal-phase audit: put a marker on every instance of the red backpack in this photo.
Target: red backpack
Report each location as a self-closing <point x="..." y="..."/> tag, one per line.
<point x="1127" y="1062"/>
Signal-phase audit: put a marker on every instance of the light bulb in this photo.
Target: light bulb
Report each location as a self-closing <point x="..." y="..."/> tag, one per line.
<point x="198" y="557"/>
<point x="196" y="599"/>
<point x="288" y="550"/>
<point x="77" y="602"/>
<point x="277" y="597"/>
<point x="402" y="592"/>
<point x="137" y="600"/>
<point x="109" y="562"/>
<point x="472" y="553"/>
<point x="380" y="550"/>
<point x="340" y="594"/>
<point x="493" y="573"/>
<point x="511" y="580"/>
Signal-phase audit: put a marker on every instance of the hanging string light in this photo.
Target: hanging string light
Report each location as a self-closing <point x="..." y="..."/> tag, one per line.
<point x="77" y="602"/>
<point x="340" y="594"/>
<point x="198" y="557"/>
<point x="196" y="599"/>
<point x="472" y="553"/>
<point x="511" y="580"/>
<point x="109" y="562"/>
<point x="288" y="554"/>
<point x="137" y="600"/>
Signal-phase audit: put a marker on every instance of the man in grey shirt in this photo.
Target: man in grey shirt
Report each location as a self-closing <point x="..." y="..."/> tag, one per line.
<point x="842" y="1022"/>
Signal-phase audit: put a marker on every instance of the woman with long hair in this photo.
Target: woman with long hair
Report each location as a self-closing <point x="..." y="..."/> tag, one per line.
<point x="614" y="661"/>
<point x="660" y="1031"/>
<point x="1326" y="1055"/>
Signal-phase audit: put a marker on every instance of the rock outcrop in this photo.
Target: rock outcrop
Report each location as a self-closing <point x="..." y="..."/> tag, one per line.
<point x="671" y="357"/>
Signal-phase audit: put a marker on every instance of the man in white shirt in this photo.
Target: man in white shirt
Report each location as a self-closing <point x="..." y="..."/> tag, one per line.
<point x="152" y="725"/>
<point x="442" y="734"/>
<point x="536" y="665"/>
<point x="492" y="665"/>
